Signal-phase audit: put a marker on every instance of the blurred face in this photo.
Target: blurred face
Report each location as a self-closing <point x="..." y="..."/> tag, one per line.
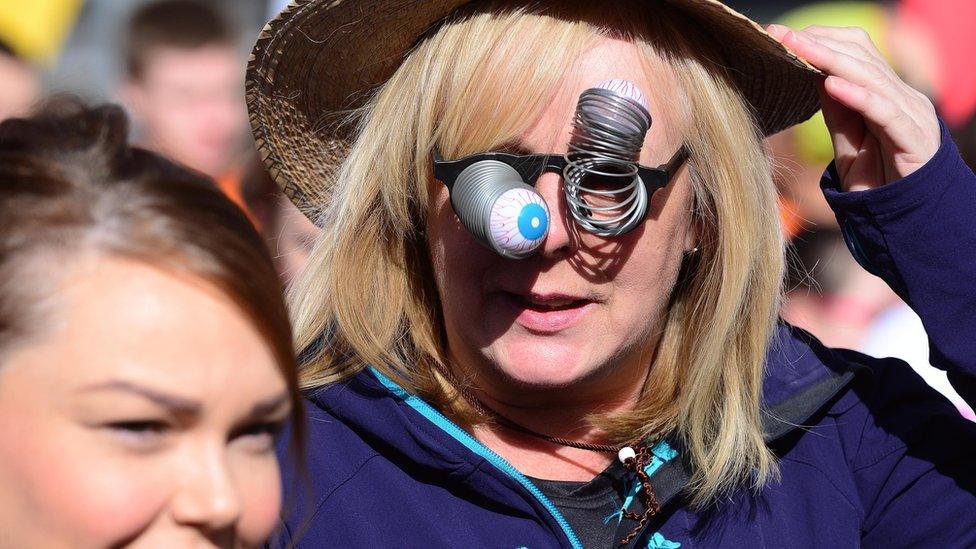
<point x="145" y="416"/>
<point x="20" y="89"/>
<point x="580" y="318"/>
<point x="189" y="105"/>
<point x="294" y="240"/>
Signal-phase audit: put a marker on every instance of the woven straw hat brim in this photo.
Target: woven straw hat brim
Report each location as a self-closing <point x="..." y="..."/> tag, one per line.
<point x="319" y="59"/>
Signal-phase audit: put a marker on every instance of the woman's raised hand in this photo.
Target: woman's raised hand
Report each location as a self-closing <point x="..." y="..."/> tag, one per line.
<point x="881" y="128"/>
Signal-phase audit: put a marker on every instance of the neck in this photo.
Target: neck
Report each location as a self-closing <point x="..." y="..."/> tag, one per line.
<point x="556" y="412"/>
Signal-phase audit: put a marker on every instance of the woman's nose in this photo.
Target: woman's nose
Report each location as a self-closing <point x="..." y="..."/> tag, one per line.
<point x="207" y="497"/>
<point x="562" y="239"/>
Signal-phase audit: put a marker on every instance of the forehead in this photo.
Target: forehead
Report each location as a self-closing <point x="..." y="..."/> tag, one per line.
<point x="212" y="63"/>
<point x="606" y="59"/>
<point x="126" y="320"/>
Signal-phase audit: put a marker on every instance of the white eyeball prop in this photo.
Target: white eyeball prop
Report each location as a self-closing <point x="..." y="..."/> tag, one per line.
<point x="499" y="209"/>
<point x="626" y="89"/>
<point x="519" y="222"/>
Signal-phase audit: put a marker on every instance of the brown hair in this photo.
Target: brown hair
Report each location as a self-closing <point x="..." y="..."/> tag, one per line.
<point x="70" y="184"/>
<point x="181" y="24"/>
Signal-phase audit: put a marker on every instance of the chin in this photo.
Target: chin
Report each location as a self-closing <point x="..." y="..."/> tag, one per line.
<point x="543" y="364"/>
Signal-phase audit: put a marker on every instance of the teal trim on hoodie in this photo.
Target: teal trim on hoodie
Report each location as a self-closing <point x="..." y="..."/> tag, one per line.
<point x="472" y="444"/>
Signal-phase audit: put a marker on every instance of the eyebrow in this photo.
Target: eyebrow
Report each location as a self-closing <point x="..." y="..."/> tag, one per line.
<point x="178" y="404"/>
<point x="185" y="406"/>
<point x="269" y="406"/>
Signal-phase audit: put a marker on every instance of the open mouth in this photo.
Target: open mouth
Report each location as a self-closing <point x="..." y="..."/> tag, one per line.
<point x="549" y="304"/>
<point x="548" y="314"/>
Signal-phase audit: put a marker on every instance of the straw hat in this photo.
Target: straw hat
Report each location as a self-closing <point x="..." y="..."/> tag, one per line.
<point x="319" y="58"/>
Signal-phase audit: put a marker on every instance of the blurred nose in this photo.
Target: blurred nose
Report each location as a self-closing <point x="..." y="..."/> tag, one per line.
<point x="563" y="238"/>
<point x="207" y="497"/>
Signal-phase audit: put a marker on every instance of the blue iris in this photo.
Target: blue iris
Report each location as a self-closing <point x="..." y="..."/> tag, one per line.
<point x="533" y="221"/>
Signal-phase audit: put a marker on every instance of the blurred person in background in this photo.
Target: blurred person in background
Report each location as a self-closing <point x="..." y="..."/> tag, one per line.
<point x="183" y="81"/>
<point x="146" y="363"/>
<point x="293" y="240"/>
<point x="289" y="234"/>
<point x="21" y="86"/>
<point x="935" y="45"/>
<point x="829" y="293"/>
<point x="932" y="44"/>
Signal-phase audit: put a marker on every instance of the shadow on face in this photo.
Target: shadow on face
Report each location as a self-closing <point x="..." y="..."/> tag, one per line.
<point x="581" y="312"/>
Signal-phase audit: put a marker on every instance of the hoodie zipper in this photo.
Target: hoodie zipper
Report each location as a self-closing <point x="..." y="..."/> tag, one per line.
<point x="462" y="436"/>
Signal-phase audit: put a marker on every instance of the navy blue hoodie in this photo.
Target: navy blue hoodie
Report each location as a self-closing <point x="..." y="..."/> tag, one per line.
<point x="869" y="454"/>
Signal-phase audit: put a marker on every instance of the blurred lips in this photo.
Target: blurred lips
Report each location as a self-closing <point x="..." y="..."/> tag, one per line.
<point x="547" y="313"/>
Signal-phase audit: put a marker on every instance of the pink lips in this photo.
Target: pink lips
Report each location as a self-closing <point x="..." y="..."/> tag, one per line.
<point x="547" y="314"/>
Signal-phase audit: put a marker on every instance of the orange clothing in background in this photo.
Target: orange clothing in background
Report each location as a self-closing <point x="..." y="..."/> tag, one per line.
<point x="230" y="183"/>
<point x="790" y="218"/>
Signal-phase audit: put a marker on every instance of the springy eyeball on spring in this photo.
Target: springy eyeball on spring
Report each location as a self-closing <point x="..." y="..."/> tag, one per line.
<point x="500" y="210"/>
<point x="604" y="194"/>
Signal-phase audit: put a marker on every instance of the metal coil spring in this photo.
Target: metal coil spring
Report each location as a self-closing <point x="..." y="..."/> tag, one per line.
<point x="487" y="198"/>
<point x="608" y="134"/>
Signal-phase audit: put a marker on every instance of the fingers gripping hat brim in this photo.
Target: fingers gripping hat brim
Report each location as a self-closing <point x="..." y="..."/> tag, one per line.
<point x="780" y="87"/>
<point x="318" y="60"/>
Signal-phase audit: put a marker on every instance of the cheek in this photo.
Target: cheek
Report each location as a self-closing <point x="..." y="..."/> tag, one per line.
<point x="232" y="123"/>
<point x="458" y="261"/>
<point x="87" y="494"/>
<point x="643" y="283"/>
<point x="118" y="497"/>
<point x="259" y="487"/>
<point x="60" y="480"/>
<point x="177" y="125"/>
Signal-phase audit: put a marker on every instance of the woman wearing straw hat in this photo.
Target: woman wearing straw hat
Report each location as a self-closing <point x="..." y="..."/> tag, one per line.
<point x="543" y="311"/>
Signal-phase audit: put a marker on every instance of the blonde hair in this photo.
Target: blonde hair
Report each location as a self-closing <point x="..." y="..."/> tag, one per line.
<point x="368" y="296"/>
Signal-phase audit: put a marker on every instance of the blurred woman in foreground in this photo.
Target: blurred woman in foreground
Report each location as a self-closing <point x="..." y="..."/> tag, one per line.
<point x="146" y="364"/>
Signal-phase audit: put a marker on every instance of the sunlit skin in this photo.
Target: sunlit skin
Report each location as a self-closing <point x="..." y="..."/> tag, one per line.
<point x="549" y="375"/>
<point x="881" y="129"/>
<point x="188" y="105"/>
<point x="143" y="415"/>
<point x="293" y="240"/>
<point x="20" y="90"/>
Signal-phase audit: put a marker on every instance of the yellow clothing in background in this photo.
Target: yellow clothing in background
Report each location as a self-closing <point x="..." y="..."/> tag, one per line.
<point x="36" y="29"/>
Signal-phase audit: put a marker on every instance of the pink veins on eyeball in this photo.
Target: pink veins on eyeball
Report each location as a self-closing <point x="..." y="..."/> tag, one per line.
<point x="625" y="88"/>
<point x="504" y="220"/>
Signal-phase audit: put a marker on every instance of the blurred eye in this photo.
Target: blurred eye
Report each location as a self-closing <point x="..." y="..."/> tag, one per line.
<point x="259" y="436"/>
<point x="138" y="432"/>
<point x="519" y="221"/>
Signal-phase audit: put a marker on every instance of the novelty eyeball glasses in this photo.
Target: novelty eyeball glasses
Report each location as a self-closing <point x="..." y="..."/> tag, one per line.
<point x="607" y="191"/>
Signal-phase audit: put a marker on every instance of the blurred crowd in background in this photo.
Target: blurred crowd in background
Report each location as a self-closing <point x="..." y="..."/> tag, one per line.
<point x="177" y="66"/>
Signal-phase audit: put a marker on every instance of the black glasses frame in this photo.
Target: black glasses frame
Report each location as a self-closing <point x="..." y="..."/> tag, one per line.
<point x="530" y="167"/>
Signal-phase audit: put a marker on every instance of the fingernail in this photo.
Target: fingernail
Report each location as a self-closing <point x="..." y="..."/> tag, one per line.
<point x="839" y="82"/>
<point x="802" y="37"/>
<point x="777" y="30"/>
